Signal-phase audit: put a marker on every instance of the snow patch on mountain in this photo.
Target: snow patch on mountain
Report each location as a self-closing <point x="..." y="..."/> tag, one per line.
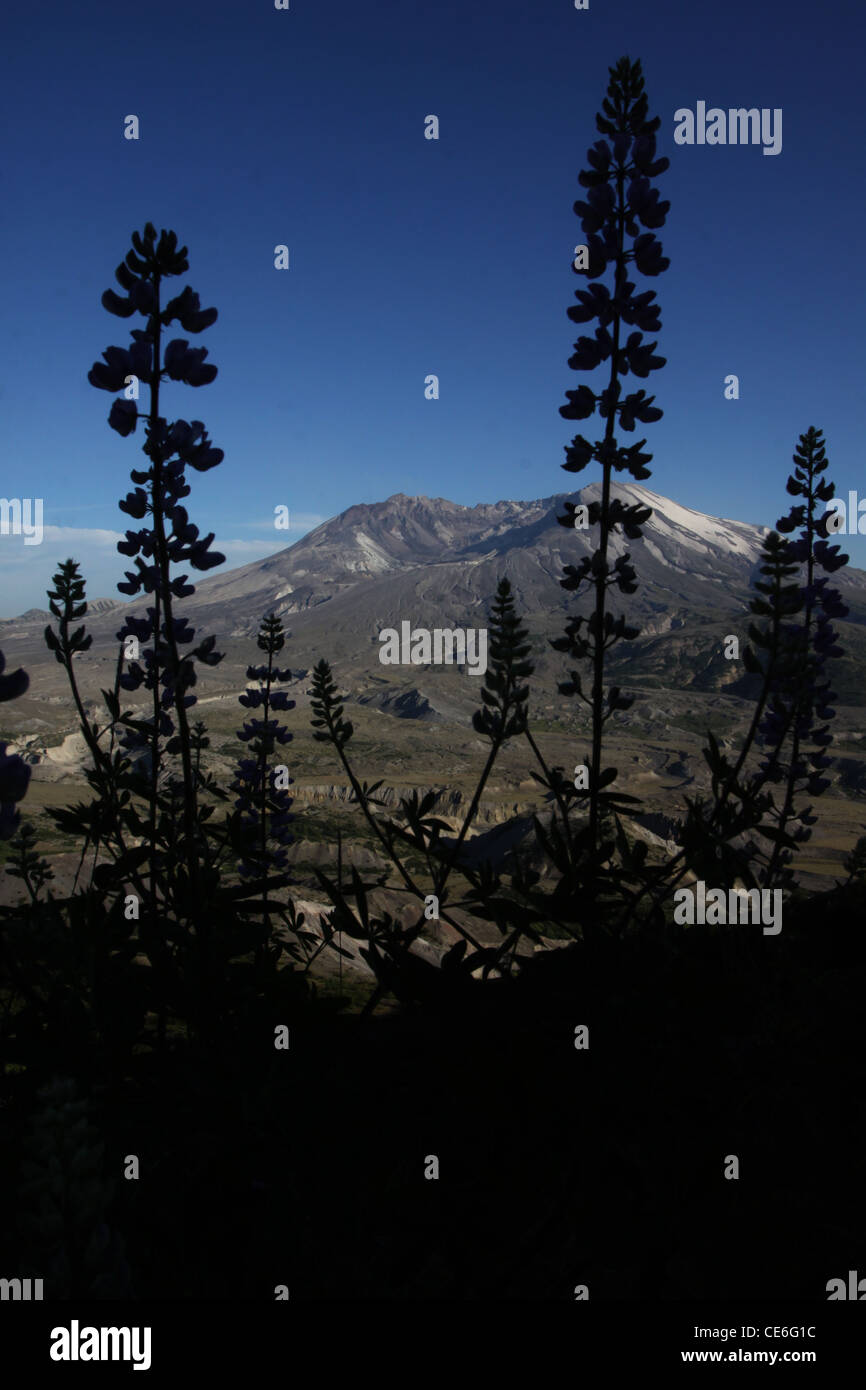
<point x="694" y="530"/>
<point x="373" y="557"/>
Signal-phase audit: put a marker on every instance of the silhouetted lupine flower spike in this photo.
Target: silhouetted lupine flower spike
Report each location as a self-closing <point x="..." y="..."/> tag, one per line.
<point x="263" y="799"/>
<point x="788" y="650"/>
<point x="619" y="202"/>
<point x="171" y="539"/>
<point x="503" y="713"/>
<point x="740" y="803"/>
<point x="327" y="710"/>
<point x="504" y="699"/>
<point x="801" y="698"/>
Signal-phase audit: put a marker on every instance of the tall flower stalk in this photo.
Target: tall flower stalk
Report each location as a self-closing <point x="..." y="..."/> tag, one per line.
<point x="620" y="201"/>
<point x="802" y="697"/>
<point x="263" y="799"/>
<point x="787" y="739"/>
<point x="171" y="539"/>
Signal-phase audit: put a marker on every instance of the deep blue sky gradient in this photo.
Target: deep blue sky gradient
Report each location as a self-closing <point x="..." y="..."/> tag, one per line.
<point x="410" y="256"/>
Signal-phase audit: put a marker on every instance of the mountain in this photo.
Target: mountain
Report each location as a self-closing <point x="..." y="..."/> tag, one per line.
<point x="436" y="564"/>
<point x="684" y="556"/>
<point x="43" y="615"/>
<point x="380" y="544"/>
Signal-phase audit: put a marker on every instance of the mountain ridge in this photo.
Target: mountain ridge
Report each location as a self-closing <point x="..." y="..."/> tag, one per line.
<point x="437" y="563"/>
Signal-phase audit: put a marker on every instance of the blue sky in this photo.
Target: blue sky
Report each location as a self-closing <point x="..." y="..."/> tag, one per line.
<point x="409" y="256"/>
